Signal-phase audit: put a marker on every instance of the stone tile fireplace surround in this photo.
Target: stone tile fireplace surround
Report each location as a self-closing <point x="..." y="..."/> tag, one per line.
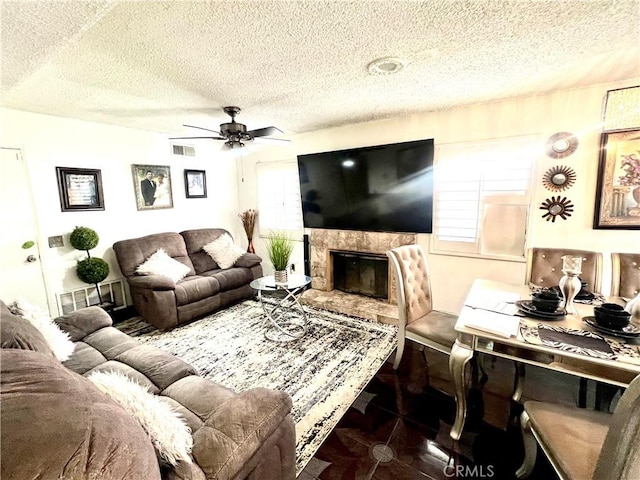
<point x="322" y="294"/>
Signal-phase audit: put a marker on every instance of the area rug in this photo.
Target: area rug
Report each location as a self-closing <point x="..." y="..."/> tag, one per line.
<point x="323" y="372"/>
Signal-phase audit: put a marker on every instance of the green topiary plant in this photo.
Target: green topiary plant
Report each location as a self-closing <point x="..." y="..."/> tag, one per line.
<point x="91" y="269"/>
<point x="83" y="238"/>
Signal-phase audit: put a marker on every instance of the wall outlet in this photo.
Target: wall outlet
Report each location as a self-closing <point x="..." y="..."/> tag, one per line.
<point x="293" y="267"/>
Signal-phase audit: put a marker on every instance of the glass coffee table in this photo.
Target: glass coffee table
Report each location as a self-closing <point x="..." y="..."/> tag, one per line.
<point x="285" y="320"/>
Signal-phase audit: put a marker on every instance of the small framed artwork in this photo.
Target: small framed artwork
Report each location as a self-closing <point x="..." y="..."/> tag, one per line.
<point x="80" y="189"/>
<point x="618" y="190"/>
<point x="195" y="183"/>
<point x="152" y="184"/>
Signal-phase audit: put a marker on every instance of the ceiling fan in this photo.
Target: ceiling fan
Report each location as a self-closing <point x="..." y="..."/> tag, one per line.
<point x="234" y="133"/>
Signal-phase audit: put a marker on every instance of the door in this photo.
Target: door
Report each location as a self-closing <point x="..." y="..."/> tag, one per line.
<point x="21" y="274"/>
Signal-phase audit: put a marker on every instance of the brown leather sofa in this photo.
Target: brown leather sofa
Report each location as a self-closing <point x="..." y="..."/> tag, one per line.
<point x="207" y="288"/>
<point x="56" y="424"/>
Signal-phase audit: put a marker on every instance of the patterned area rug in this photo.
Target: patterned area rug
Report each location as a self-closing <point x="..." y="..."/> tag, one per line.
<point x="323" y="372"/>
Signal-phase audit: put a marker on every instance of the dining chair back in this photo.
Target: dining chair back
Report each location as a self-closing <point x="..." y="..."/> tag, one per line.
<point x="418" y="321"/>
<point x="544" y="267"/>
<point x="585" y="444"/>
<point x="625" y="275"/>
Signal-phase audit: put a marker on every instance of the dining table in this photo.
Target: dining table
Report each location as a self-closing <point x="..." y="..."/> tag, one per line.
<point x="498" y="319"/>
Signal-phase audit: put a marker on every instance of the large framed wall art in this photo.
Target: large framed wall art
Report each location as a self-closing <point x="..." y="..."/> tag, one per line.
<point x="80" y="189"/>
<point x="618" y="190"/>
<point x="152" y="184"/>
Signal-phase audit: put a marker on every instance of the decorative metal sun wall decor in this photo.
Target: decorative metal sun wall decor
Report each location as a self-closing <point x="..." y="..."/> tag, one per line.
<point x="561" y="145"/>
<point x="557" y="207"/>
<point x="559" y="178"/>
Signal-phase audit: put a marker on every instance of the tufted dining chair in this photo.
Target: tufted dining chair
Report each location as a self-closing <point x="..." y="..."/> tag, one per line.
<point x="418" y="321"/>
<point x="625" y="274"/>
<point x="544" y="267"/>
<point x="584" y="444"/>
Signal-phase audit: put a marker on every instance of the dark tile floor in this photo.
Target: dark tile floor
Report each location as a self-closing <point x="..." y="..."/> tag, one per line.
<point x="399" y="427"/>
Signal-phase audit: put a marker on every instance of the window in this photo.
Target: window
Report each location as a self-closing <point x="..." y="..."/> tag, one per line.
<point x="279" y="197"/>
<point x="482" y="196"/>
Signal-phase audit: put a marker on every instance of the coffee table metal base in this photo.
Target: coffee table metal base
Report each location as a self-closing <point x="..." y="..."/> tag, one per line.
<point x="285" y="320"/>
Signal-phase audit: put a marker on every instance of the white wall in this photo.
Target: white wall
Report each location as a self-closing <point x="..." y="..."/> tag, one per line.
<point x="577" y="111"/>
<point x="48" y="142"/>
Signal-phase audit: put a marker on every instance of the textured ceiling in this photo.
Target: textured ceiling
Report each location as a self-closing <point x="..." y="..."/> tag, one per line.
<point x="299" y="65"/>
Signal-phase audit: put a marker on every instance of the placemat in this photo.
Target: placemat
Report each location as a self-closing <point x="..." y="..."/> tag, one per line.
<point x="582" y="342"/>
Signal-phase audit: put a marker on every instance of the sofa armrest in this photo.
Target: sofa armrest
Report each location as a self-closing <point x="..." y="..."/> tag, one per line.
<point x="152" y="282"/>
<point x="236" y="430"/>
<point x="82" y="322"/>
<point x="248" y="260"/>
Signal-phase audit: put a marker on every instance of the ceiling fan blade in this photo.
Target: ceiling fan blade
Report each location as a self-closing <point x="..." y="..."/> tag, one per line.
<point x="194" y="138"/>
<point x="202" y="128"/>
<point x="269" y="139"/>
<point x="263" y="132"/>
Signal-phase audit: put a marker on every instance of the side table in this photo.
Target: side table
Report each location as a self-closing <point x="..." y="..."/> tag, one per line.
<point x="286" y="319"/>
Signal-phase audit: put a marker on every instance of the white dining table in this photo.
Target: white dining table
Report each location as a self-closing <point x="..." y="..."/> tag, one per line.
<point x="500" y="331"/>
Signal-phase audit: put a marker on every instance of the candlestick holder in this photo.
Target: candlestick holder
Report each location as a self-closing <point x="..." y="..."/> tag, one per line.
<point x="570" y="284"/>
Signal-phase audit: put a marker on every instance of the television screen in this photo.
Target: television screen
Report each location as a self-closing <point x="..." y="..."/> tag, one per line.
<point x="384" y="188"/>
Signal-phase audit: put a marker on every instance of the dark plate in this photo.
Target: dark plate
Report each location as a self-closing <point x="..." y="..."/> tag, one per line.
<point x="526" y="307"/>
<point x="630" y="331"/>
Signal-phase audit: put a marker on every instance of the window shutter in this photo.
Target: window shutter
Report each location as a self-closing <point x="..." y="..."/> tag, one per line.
<point x="279" y="204"/>
<point x="476" y="185"/>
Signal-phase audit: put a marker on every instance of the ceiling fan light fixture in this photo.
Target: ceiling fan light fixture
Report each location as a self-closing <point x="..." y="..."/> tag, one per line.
<point x="386" y="66"/>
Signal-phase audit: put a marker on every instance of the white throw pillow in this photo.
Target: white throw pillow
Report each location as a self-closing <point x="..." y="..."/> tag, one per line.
<point x="162" y="264"/>
<point x="223" y="251"/>
<point x="170" y="435"/>
<point x="59" y="341"/>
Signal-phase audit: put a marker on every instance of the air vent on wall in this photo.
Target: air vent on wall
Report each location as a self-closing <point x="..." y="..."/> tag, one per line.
<point x="184" y="150"/>
<point x="112" y="291"/>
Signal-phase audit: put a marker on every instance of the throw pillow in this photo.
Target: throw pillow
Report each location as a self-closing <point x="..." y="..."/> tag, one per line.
<point x="59" y="341"/>
<point x="162" y="264"/>
<point x="223" y="251"/>
<point x="170" y="435"/>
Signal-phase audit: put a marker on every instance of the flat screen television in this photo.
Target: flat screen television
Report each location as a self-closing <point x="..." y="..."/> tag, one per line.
<point x="383" y="188"/>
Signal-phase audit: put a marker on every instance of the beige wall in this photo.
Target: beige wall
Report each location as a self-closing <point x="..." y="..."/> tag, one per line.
<point x="578" y="111"/>
<point x="48" y="141"/>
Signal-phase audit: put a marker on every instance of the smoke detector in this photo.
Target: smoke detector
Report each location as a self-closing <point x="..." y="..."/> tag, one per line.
<point x="386" y="66"/>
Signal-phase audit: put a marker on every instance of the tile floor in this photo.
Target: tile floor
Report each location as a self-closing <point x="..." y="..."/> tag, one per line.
<point x="399" y="427"/>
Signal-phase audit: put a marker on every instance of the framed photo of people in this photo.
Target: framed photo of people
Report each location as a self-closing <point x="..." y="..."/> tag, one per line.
<point x="80" y="189"/>
<point x="152" y="185"/>
<point x="195" y="183"/>
<point x="618" y="189"/>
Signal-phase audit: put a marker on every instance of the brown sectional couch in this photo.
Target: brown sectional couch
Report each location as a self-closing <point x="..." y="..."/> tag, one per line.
<point x="56" y="424"/>
<point x="207" y="288"/>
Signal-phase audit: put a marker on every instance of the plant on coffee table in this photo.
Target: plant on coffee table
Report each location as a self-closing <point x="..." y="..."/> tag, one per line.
<point x="279" y="249"/>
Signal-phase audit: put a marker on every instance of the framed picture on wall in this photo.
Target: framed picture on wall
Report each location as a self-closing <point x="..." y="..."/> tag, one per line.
<point x="152" y="184"/>
<point x="195" y="183"/>
<point x="80" y="189"/>
<point x="618" y="189"/>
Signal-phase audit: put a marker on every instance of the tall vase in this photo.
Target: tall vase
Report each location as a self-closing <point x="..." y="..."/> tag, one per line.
<point x="570" y="284"/>
<point x="250" y="248"/>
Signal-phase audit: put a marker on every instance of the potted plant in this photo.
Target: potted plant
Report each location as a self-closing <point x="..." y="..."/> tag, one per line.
<point x="91" y="269"/>
<point x="279" y="249"/>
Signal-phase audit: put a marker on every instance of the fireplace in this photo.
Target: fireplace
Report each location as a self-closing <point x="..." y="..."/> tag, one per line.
<point x="324" y="292"/>
<point x="361" y="273"/>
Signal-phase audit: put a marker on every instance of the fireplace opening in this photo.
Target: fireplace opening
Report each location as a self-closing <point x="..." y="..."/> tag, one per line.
<point x="361" y="273"/>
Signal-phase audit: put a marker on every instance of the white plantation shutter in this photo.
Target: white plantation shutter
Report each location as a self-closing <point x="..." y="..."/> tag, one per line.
<point x="482" y="193"/>
<point x="279" y="204"/>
